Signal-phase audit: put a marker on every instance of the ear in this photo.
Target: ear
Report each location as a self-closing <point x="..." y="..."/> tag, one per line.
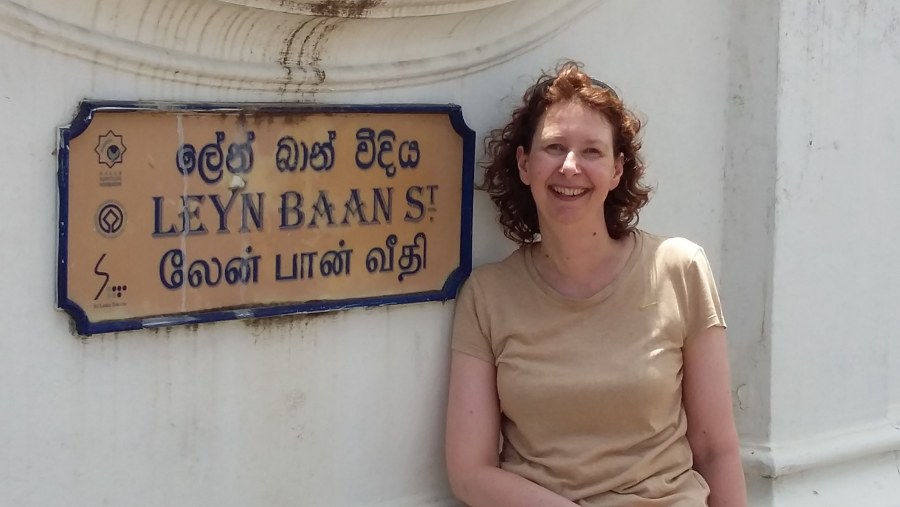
<point x="619" y="170"/>
<point x="522" y="161"/>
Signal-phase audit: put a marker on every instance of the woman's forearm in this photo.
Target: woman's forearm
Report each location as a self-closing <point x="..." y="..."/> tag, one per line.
<point x="494" y="487"/>
<point x="725" y="476"/>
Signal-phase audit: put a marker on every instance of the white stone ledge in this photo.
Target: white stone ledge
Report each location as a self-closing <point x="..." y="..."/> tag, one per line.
<point x="270" y="45"/>
<point x="778" y="460"/>
<point x="375" y="9"/>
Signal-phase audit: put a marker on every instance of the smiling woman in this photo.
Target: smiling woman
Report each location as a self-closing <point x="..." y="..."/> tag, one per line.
<point x="571" y="166"/>
<point x="596" y="350"/>
<point x="613" y="134"/>
<point x="292" y="46"/>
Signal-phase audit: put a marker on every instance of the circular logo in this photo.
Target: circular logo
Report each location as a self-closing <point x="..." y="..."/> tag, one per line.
<point x="110" y="219"/>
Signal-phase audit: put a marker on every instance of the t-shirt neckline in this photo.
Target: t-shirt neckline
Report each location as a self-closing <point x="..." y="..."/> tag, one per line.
<point x="602" y="294"/>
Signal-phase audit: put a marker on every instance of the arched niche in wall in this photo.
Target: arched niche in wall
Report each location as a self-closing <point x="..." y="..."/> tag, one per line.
<point x="292" y="45"/>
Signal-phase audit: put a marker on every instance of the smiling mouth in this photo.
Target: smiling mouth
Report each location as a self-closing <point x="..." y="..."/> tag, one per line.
<point x="568" y="191"/>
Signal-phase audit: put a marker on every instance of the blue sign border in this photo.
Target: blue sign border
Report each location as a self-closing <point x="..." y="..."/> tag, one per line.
<point x="83" y="118"/>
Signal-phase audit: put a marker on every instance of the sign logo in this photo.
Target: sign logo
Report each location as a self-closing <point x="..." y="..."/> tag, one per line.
<point x="110" y="149"/>
<point x="110" y="219"/>
<point x="115" y="292"/>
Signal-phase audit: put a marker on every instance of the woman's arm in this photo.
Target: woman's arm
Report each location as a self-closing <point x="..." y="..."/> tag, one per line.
<point x="711" y="431"/>
<point x="473" y="439"/>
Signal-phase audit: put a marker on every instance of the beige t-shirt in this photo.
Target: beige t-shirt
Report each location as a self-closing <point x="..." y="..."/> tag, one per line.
<point x="590" y="389"/>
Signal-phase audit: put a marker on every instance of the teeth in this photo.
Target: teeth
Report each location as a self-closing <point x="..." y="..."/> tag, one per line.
<point x="569" y="191"/>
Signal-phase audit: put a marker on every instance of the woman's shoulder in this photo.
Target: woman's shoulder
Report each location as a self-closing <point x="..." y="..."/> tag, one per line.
<point x="512" y="264"/>
<point x="668" y="250"/>
<point x="500" y="272"/>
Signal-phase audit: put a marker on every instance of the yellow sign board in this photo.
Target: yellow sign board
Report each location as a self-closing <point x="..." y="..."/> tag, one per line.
<point x="175" y="214"/>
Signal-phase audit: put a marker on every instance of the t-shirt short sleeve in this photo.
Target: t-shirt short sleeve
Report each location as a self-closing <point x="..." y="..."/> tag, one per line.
<point x="704" y="307"/>
<point x="469" y="329"/>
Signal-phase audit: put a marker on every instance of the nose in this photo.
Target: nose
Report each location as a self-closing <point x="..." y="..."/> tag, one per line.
<point x="570" y="165"/>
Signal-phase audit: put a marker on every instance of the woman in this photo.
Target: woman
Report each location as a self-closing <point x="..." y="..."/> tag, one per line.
<point x="594" y="356"/>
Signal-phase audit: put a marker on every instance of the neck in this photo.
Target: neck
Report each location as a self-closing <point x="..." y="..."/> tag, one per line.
<point x="580" y="263"/>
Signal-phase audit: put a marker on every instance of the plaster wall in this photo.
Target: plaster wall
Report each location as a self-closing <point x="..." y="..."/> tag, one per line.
<point x="337" y="409"/>
<point x="748" y="218"/>
<point x="837" y="131"/>
<point x="834" y="287"/>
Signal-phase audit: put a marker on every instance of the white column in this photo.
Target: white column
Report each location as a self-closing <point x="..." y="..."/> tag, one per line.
<point x="748" y="239"/>
<point x="829" y="329"/>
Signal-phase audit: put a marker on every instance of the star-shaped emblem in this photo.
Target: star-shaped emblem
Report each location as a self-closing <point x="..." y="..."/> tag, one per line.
<point x="110" y="148"/>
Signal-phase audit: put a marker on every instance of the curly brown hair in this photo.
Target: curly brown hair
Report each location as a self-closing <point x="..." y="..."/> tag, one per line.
<point x="518" y="214"/>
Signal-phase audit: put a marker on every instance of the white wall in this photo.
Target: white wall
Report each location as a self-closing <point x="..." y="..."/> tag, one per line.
<point x="347" y="408"/>
<point x="836" y="177"/>
<point x="340" y="409"/>
<point x="835" y="286"/>
<point x="748" y="221"/>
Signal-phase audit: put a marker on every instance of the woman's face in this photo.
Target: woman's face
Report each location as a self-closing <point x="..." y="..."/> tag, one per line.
<point x="571" y="166"/>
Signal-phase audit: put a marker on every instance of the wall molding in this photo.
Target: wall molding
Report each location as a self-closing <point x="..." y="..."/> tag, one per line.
<point x="831" y="448"/>
<point x="249" y="44"/>
<point x="372" y="8"/>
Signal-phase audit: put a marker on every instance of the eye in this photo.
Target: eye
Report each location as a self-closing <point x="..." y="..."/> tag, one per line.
<point x="593" y="153"/>
<point x="556" y="149"/>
